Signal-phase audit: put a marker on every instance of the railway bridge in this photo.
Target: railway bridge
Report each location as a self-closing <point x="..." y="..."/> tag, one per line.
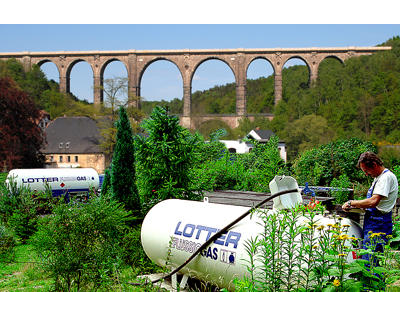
<point x="187" y="61"/>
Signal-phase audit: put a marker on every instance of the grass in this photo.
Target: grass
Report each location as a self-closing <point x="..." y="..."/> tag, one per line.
<point x="26" y="275"/>
<point x="23" y="275"/>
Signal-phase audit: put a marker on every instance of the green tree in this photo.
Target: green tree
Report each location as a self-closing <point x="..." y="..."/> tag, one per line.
<point x="304" y="133"/>
<point x="165" y="157"/>
<point x="105" y="187"/>
<point x="123" y="172"/>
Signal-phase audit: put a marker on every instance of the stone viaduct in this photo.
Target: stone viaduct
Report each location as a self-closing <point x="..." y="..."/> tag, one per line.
<point x="187" y="61"/>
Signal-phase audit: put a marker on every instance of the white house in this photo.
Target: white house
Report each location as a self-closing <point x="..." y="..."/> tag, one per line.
<point x="241" y="147"/>
<point x="237" y="146"/>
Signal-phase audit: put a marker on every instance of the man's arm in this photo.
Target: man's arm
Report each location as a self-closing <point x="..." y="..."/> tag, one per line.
<point x="373" y="201"/>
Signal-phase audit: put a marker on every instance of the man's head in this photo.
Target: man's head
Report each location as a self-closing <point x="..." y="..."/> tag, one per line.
<point x="370" y="164"/>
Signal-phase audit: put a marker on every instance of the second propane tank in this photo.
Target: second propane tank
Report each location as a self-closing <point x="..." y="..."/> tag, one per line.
<point x="59" y="180"/>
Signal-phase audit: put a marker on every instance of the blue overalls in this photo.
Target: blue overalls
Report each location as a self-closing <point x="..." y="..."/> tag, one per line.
<point x="376" y="222"/>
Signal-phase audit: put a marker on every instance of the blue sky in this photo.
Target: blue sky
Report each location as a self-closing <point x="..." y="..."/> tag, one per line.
<point x="162" y="80"/>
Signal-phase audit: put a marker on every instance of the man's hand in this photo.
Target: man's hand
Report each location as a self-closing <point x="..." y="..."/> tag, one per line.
<point x="346" y="206"/>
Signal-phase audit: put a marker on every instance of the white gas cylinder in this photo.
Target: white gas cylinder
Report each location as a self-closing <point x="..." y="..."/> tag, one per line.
<point x="59" y="180"/>
<point x="174" y="229"/>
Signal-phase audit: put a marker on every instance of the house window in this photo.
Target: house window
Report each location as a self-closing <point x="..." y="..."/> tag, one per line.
<point x="68" y="158"/>
<point x="76" y="158"/>
<point x="232" y="150"/>
<point x="67" y="145"/>
<point x="60" y="145"/>
<point x="51" y="158"/>
<point x="61" y="159"/>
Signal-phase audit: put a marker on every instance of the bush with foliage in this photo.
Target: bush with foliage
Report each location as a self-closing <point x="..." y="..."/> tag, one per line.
<point x="262" y="164"/>
<point x="24" y="219"/>
<point x="8" y="200"/>
<point x="320" y="165"/>
<point x="18" y="210"/>
<point x="340" y="193"/>
<point x="80" y="244"/>
<point x="221" y="170"/>
<point x="225" y="173"/>
<point x="7" y="244"/>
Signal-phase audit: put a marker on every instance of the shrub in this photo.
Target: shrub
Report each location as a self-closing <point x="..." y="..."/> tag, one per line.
<point x="133" y="253"/>
<point x="225" y="173"/>
<point x="7" y="244"/>
<point x="343" y="182"/>
<point x="8" y="201"/>
<point x="262" y="164"/>
<point x="80" y="243"/>
<point x="20" y="207"/>
<point x="24" y="220"/>
<point x="319" y="166"/>
<point x="245" y="172"/>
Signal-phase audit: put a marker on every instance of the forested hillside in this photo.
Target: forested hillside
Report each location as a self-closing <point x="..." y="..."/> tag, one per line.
<point x="360" y="98"/>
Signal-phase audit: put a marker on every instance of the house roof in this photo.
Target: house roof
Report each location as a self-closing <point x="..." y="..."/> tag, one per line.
<point x="78" y="135"/>
<point x="260" y="134"/>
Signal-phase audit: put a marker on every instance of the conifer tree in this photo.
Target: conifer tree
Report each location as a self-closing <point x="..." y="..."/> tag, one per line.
<point x="105" y="187"/>
<point x="123" y="175"/>
<point x="165" y="157"/>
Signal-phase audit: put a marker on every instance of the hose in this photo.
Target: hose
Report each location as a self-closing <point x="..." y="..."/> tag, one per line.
<point x="219" y="234"/>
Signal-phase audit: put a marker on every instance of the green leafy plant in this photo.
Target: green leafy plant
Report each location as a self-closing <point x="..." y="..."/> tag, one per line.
<point x="7" y="244"/>
<point x="80" y="245"/>
<point x="340" y="192"/>
<point x="20" y="207"/>
<point x="381" y="269"/>
<point x="245" y="172"/>
<point x="261" y="165"/>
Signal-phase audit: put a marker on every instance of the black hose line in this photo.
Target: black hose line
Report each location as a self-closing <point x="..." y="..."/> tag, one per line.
<point x="219" y="234"/>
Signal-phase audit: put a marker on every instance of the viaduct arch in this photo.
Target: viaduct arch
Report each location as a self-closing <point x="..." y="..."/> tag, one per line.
<point x="187" y="61"/>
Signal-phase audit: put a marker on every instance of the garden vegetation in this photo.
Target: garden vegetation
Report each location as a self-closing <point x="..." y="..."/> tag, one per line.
<point x="94" y="244"/>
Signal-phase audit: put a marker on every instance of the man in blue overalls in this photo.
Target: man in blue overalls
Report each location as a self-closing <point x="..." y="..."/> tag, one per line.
<point x="380" y="200"/>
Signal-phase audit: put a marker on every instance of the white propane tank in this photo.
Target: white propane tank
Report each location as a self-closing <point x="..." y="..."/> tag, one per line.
<point x="183" y="226"/>
<point x="285" y="201"/>
<point x="60" y="180"/>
